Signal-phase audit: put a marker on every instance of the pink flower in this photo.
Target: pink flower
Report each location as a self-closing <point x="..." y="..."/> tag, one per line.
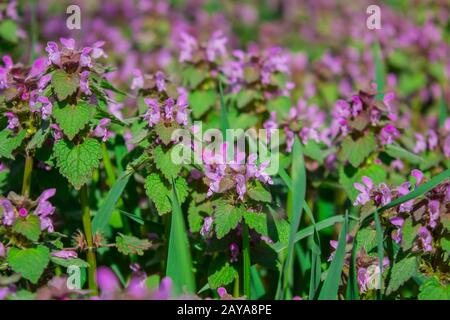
<point x="153" y="115"/>
<point x="418" y="175"/>
<point x="216" y="46"/>
<point x="85" y="57"/>
<point x="138" y="80"/>
<point x="160" y="81"/>
<point x="54" y="55"/>
<point x="13" y="120"/>
<point x="234" y="251"/>
<point x="101" y="131"/>
<point x="187" y="45"/>
<point x="65" y="254"/>
<point x="364" y="195"/>
<point x="45" y="209"/>
<point x="46" y="107"/>
<point x="207" y="224"/>
<point x="38" y="67"/>
<point x="398" y="223"/>
<point x="107" y="281"/>
<point x="425" y="239"/>
<point x="84" y="83"/>
<point x="57" y="132"/>
<point x="388" y="134"/>
<point x="9" y="215"/>
<point x="434" y="212"/>
<point x="421" y="144"/>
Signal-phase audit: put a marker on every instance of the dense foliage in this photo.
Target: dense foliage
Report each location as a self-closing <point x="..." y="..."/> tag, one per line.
<point x="94" y="205"/>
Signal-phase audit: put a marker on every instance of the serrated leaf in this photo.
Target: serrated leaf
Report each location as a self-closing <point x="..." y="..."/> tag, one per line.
<point x="432" y="289"/>
<point x="39" y="137"/>
<point x="193" y="77"/>
<point x="401" y="272"/>
<point x="221" y="273"/>
<point x="8" y="144"/>
<point x="158" y="193"/>
<point x="227" y="218"/>
<point x="30" y="263"/>
<point x="244" y="97"/>
<point x="131" y="245"/>
<point x="76" y="162"/>
<point x="201" y="101"/>
<point x="366" y="238"/>
<point x="195" y="220"/>
<point x="72" y="118"/>
<point x="357" y="151"/>
<point x="69" y="262"/>
<point x="182" y="189"/>
<point x="29" y="226"/>
<point x="257" y="221"/>
<point x="164" y="163"/>
<point x="65" y="84"/>
<point x="165" y="133"/>
<point x="409" y="233"/>
<point x="258" y="193"/>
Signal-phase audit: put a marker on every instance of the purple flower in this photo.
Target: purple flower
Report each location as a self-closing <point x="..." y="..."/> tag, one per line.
<point x="421" y="144"/>
<point x="68" y="43"/>
<point x="388" y="134"/>
<point x="54" y="55"/>
<point x="222" y="292"/>
<point x="398" y="223"/>
<point x="388" y="97"/>
<point x="23" y="212"/>
<point x="38" y="67"/>
<point x="234" y="251"/>
<point x="164" y="291"/>
<point x="85" y="57"/>
<point x="107" y="281"/>
<point x="418" y="175"/>
<point x="13" y="120"/>
<point x="97" y="51"/>
<point x="2" y="251"/>
<point x="433" y="139"/>
<point x="160" y="81"/>
<point x="207" y="224"/>
<point x="43" y="82"/>
<point x="403" y="190"/>
<point x="46" y="108"/>
<point x="84" y="83"/>
<point x="241" y="187"/>
<point x="425" y="239"/>
<point x="101" y="131"/>
<point x="187" y="45"/>
<point x="138" y="80"/>
<point x="434" y="212"/>
<point x="65" y="254"/>
<point x="45" y="209"/>
<point x="216" y="46"/>
<point x="9" y="215"/>
<point x="153" y="115"/>
<point x="364" y="195"/>
<point x="363" y="279"/>
<point x="57" y="132"/>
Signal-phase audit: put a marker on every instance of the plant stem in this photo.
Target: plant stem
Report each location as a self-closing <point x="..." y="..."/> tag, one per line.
<point x="111" y="177"/>
<point x="26" y="182"/>
<point x="246" y="258"/>
<point x="236" y="287"/>
<point x="91" y="259"/>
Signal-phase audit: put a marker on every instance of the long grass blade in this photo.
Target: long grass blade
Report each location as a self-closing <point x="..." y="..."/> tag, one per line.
<point x="379" y="237"/>
<point x="379" y="69"/>
<point x="179" y="261"/>
<point x="331" y="284"/>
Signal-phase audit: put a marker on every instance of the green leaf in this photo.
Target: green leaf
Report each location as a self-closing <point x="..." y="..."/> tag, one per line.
<point x="313" y="151"/>
<point x="76" y="162"/>
<point x="357" y="151"/>
<point x="221" y="273"/>
<point x="331" y="284"/>
<point x="29" y="226"/>
<point x="244" y="97"/>
<point x="281" y="105"/>
<point x="398" y="152"/>
<point x="131" y="245"/>
<point x="432" y="289"/>
<point x="72" y="118"/>
<point x="257" y="221"/>
<point x="195" y="220"/>
<point x="182" y="189"/>
<point x="8" y="144"/>
<point x="258" y="193"/>
<point x="8" y="30"/>
<point x="179" y="261"/>
<point x="193" y="77"/>
<point x="158" y="193"/>
<point x="65" y="84"/>
<point x="165" y="133"/>
<point x="103" y="215"/>
<point x="409" y="233"/>
<point x="201" y="101"/>
<point x="39" y="137"/>
<point x="30" y="263"/>
<point x="164" y="163"/>
<point x="69" y="262"/>
<point x="227" y="217"/>
<point x="366" y="238"/>
<point x="379" y="67"/>
<point x="401" y="272"/>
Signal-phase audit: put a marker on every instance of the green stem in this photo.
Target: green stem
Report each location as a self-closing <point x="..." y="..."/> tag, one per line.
<point x="246" y="258"/>
<point x="108" y="166"/>
<point x="91" y="259"/>
<point x="236" y="287"/>
<point x="26" y="182"/>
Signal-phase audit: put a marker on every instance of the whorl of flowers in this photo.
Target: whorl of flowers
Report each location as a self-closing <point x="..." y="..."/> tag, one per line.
<point x="434" y="139"/>
<point x="14" y="207"/>
<point x="223" y="174"/>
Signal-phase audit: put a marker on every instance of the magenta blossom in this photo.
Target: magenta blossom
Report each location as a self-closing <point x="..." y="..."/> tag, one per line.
<point x="65" y="254"/>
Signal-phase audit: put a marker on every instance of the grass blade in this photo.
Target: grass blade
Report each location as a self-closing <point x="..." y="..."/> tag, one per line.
<point x="379" y="236"/>
<point x="352" y="284"/>
<point x="224" y="124"/>
<point x="298" y="174"/>
<point x="101" y="219"/>
<point x="331" y="284"/>
<point x="379" y="69"/>
<point x="179" y="261"/>
<point x="442" y="110"/>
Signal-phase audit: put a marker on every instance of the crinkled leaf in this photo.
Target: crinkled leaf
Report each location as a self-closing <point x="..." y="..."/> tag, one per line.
<point x="72" y="118"/>
<point x="9" y="144"/>
<point x="29" y="226"/>
<point x="158" y="193"/>
<point x="258" y="193"/>
<point x="409" y="233"/>
<point x="164" y="163"/>
<point x="401" y="272"/>
<point x="357" y="151"/>
<point x="76" y="162"/>
<point x="65" y="84"/>
<point x="257" y="221"/>
<point x="8" y="30"/>
<point x="201" y="101"/>
<point x="227" y="217"/>
<point x="221" y="273"/>
<point x="366" y="238"/>
<point x="30" y="263"/>
<point x="69" y="262"/>
<point x="131" y="245"/>
<point x="432" y="289"/>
